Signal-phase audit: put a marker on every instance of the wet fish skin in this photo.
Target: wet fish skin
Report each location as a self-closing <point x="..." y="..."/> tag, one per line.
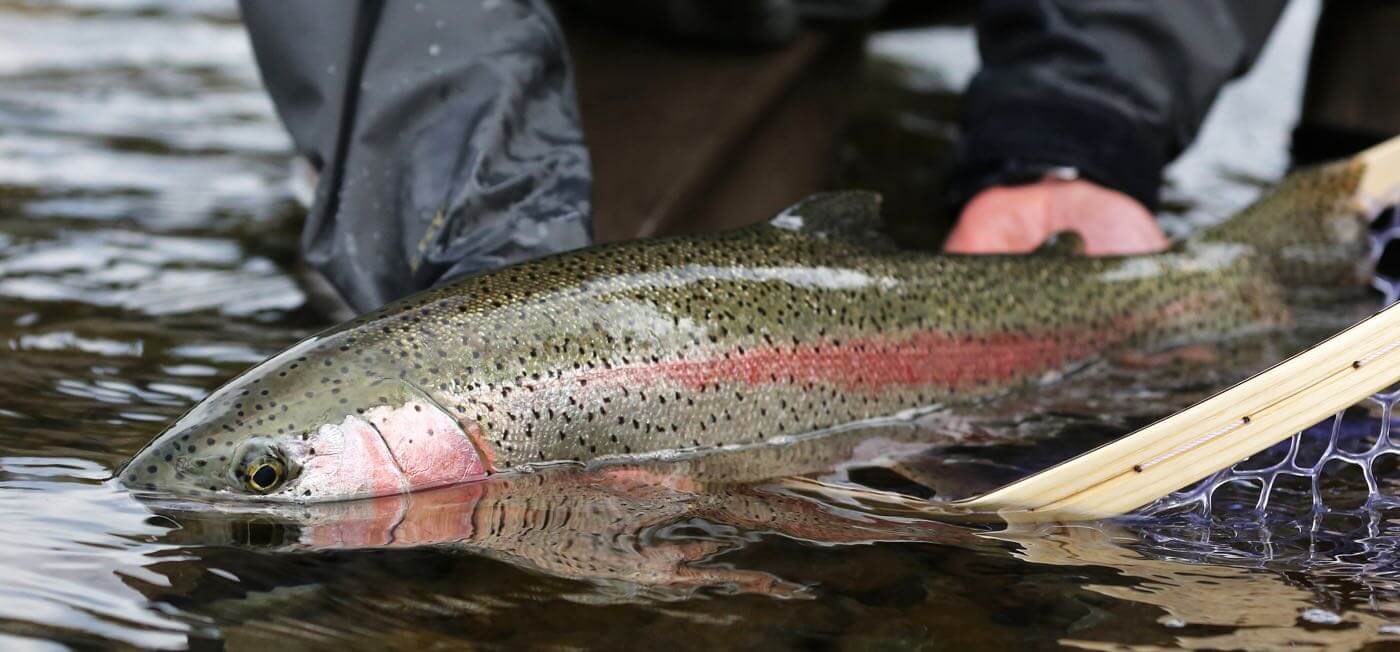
<point x="739" y="338"/>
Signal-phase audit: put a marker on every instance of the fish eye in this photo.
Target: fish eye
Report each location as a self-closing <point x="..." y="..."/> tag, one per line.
<point x="260" y="466"/>
<point x="264" y="475"/>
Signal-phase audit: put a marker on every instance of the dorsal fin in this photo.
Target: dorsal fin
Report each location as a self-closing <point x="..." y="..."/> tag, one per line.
<point x="850" y="216"/>
<point x="1064" y="243"/>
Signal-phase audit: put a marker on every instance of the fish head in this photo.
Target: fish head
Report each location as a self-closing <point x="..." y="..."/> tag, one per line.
<point x="309" y="425"/>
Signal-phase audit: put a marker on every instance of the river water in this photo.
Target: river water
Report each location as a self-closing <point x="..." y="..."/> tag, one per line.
<point x="145" y="236"/>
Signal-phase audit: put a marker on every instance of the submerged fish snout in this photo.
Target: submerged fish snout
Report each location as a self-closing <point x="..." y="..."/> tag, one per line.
<point x="379" y="437"/>
<point x="190" y="462"/>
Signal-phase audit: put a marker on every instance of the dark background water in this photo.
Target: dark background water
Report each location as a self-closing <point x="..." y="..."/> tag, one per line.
<point x="145" y="237"/>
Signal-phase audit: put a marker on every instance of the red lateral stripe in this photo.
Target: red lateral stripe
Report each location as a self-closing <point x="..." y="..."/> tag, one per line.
<point x="920" y="360"/>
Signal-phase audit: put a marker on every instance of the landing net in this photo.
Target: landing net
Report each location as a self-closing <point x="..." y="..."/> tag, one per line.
<point x="1322" y="470"/>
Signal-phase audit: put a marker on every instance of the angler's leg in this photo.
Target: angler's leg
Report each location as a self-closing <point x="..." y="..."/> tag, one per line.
<point x="445" y="135"/>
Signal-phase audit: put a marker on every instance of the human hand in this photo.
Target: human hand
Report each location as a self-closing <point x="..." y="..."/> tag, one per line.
<point x="1017" y="219"/>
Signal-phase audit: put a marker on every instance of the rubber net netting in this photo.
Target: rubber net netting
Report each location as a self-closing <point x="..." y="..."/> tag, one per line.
<point x="1311" y="465"/>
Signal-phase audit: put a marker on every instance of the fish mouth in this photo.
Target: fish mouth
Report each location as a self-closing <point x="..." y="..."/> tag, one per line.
<point x="386" y="450"/>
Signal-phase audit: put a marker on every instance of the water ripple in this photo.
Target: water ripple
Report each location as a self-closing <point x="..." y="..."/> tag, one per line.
<point x="88" y="547"/>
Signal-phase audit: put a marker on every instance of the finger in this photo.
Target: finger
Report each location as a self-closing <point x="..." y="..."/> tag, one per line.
<point x="1123" y="238"/>
<point x="991" y="233"/>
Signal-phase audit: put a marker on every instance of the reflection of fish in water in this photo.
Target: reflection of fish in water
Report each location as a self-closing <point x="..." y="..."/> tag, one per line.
<point x="612" y="526"/>
<point x="711" y="341"/>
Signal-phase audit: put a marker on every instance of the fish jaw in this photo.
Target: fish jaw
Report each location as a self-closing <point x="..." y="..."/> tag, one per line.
<point x="386" y="451"/>
<point x="400" y="441"/>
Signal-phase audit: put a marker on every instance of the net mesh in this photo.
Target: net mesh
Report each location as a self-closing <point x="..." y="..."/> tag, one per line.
<point x="1343" y="441"/>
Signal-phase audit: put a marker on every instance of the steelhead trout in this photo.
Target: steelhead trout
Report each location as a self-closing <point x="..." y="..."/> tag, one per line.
<point x="715" y="341"/>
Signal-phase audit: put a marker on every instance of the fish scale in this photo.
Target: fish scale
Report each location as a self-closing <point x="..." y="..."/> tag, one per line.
<point x="798" y="325"/>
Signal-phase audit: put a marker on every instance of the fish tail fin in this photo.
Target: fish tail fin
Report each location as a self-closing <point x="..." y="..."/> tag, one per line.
<point x="1313" y="230"/>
